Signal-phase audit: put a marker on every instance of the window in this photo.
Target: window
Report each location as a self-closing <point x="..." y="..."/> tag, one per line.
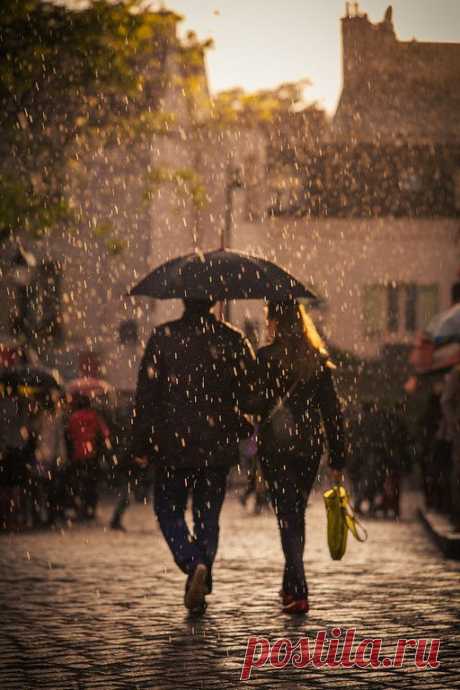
<point x="287" y="190"/>
<point x="428" y="304"/>
<point x="38" y="303"/>
<point x="457" y="189"/>
<point x="410" y="307"/>
<point x="398" y="307"/>
<point x="374" y="309"/>
<point x="128" y="332"/>
<point x="393" y="300"/>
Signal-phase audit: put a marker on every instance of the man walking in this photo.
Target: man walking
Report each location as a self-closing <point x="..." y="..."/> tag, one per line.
<point x="194" y="378"/>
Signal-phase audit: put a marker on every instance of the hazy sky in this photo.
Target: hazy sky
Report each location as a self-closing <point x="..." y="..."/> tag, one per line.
<point x="261" y="43"/>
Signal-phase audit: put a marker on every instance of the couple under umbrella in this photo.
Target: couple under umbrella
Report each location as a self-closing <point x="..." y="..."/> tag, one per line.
<point x="199" y="378"/>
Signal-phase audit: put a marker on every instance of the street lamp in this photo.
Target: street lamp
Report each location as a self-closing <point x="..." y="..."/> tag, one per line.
<point x="233" y="181"/>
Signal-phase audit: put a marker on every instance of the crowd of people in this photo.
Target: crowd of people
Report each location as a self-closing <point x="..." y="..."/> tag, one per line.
<point x="381" y="453"/>
<point x="50" y="458"/>
<point x="57" y="450"/>
<point x="439" y="427"/>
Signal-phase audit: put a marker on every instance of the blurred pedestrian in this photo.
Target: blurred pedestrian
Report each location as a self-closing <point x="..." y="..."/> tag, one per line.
<point x="16" y="458"/>
<point x="255" y="482"/>
<point x="51" y="457"/>
<point x="450" y="402"/>
<point x="397" y="452"/>
<point x="131" y="479"/>
<point x="188" y="423"/>
<point x="435" y="452"/>
<point x="87" y="437"/>
<point x="365" y="467"/>
<point x="124" y="469"/>
<point x="296" y="393"/>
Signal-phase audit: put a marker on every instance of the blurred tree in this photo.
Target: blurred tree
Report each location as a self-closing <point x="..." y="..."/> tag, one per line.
<point x="237" y="106"/>
<point x="69" y="78"/>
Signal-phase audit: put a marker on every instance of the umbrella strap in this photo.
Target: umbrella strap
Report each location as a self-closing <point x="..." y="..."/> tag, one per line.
<point x="280" y="403"/>
<point x="356" y="528"/>
<point x="354" y="525"/>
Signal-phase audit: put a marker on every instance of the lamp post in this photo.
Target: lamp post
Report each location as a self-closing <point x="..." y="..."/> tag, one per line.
<point x="21" y="274"/>
<point x="233" y="181"/>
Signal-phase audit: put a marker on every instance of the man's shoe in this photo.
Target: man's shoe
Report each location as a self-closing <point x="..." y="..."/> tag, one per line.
<point x="196" y="590"/>
<point x="296" y="606"/>
<point x="117" y="526"/>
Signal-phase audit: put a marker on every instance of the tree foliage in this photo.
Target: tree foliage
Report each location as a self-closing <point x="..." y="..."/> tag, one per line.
<point x="259" y="107"/>
<point x="69" y="78"/>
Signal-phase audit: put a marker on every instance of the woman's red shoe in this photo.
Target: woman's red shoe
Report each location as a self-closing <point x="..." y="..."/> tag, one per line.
<point x="295" y="605"/>
<point x="285" y="598"/>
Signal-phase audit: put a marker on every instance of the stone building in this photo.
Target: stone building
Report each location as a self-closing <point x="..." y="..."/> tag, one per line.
<point x="369" y="214"/>
<point x="396" y="90"/>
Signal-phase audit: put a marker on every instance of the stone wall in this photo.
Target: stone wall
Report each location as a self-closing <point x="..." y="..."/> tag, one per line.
<point x="395" y="88"/>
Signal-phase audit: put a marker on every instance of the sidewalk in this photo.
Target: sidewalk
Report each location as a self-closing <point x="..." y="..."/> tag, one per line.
<point x="90" y="608"/>
<point x="440" y="530"/>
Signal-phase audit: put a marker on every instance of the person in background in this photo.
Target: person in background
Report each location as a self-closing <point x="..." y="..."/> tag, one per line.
<point x="396" y="457"/>
<point x="51" y="457"/>
<point x="450" y="403"/>
<point x="435" y="452"/>
<point x="255" y="482"/>
<point x="132" y="479"/>
<point x="364" y="464"/>
<point x="16" y="457"/>
<point x="87" y="435"/>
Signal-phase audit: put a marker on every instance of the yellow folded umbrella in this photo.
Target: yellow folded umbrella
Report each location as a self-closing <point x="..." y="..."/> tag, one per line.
<point x="340" y="520"/>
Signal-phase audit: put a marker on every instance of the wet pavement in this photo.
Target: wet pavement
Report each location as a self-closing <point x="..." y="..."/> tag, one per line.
<point x="90" y="608"/>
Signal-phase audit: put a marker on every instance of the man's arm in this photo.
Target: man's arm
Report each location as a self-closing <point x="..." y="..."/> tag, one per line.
<point x="247" y="375"/>
<point x="148" y="393"/>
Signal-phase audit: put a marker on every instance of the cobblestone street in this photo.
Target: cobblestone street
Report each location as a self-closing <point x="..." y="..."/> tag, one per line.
<point x="89" y="608"/>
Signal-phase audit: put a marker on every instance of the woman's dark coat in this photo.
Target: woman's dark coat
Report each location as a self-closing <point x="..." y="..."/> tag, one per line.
<point x="313" y="405"/>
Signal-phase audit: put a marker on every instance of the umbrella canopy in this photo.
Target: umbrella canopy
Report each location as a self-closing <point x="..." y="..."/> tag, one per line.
<point x="90" y="387"/>
<point x="446" y="325"/>
<point x="28" y="380"/>
<point x="221" y="275"/>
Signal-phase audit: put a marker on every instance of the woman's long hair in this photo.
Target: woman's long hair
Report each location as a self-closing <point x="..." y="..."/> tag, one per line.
<point x="301" y="347"/>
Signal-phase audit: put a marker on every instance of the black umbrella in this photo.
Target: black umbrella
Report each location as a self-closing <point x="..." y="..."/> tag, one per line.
<point x="28" y="379"/>
<point x="221" y="275"/>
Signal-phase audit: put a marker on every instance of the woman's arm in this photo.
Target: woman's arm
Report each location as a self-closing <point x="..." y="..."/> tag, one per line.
<point x="255" y="401"/>
<point x="331" y="413"/>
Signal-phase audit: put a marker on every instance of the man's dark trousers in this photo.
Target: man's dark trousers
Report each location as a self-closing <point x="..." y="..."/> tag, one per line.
<point x="207" y="489"/>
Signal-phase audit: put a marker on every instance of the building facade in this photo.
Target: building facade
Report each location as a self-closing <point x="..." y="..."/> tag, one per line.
<point x="369" y="213"/>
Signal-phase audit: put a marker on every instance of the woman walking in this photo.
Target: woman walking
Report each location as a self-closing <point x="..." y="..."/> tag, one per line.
<point x="296" y="392"/>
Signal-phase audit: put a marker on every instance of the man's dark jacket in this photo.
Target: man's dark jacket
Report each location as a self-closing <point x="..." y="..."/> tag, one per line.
<point x="194" y="378"/>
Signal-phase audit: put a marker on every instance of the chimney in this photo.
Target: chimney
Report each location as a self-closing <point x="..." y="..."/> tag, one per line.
<point x="357" y="40"/>
<point x="169" y="21"/>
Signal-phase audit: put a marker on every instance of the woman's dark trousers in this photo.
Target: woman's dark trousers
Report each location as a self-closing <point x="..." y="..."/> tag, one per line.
<point x="171" y="490"/>
<point x="290" y="485"/>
